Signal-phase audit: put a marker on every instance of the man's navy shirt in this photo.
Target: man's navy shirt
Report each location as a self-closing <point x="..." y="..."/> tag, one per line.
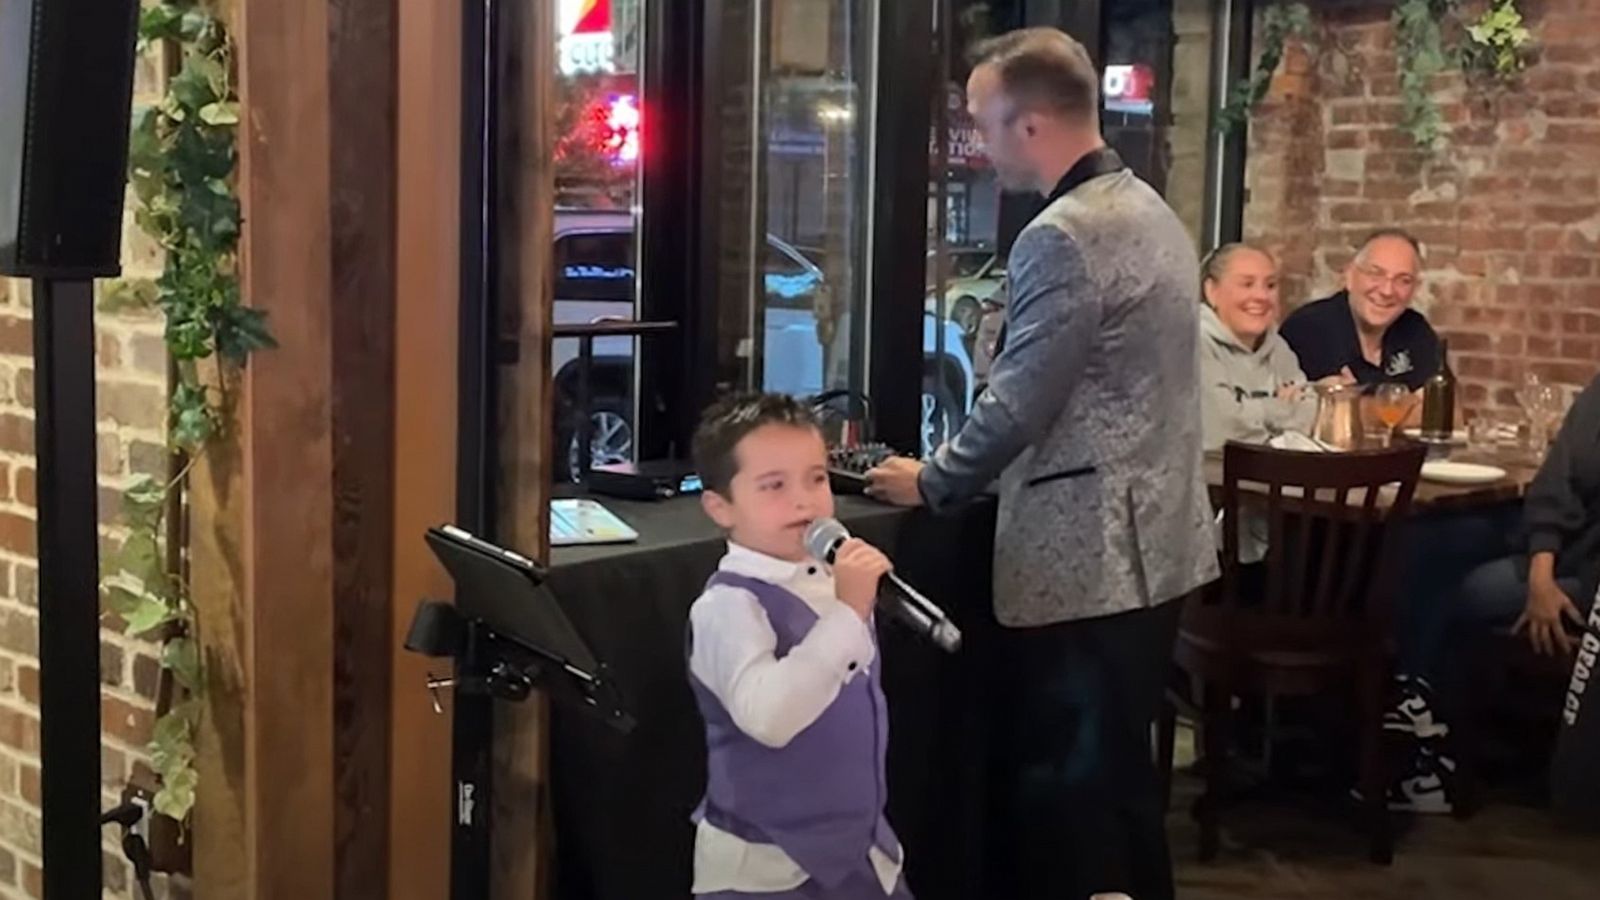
<point x="1323" y="334"/>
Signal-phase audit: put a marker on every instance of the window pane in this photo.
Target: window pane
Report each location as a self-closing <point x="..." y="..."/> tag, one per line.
<point x="599" y="123"/>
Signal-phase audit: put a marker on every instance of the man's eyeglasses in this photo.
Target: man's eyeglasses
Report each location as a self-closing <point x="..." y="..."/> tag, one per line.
<point x="1403" y="282"/>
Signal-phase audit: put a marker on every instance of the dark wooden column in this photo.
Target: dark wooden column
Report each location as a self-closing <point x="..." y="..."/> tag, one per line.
<point x="293" y="516"/>
<point x="362" y="50"/>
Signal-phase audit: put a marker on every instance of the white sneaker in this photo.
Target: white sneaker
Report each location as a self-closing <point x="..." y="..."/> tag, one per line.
<point x="1413" y="714"/>
<point x="1424" y="790"/>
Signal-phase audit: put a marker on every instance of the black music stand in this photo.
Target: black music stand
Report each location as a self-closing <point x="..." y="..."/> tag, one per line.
<point x="508" y="636"/>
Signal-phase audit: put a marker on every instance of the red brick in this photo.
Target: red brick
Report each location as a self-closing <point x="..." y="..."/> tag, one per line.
<point x="26" y="490"/>
<point x="17" y="534"/>
<point x="28" y="684"/>
<point x="33" y="880"/>
<point x="19" y="632"/>
<point x="19" y="731"/>
<point x="1544" y="78"/>
<point x="108" y="352"/>
<point x="146" y="675"/>
<point x="1580" y="348"/>
<point x="16" y="434"/>
<point x="126" y="722"/>
<point x="28" y="784"/>
<point x="16" y="336"/>
<point x="133" y="405"/>
<point x="1572" y="267"/>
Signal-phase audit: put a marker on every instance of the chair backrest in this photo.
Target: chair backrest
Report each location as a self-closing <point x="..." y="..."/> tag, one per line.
<point x="1329" y="521"/>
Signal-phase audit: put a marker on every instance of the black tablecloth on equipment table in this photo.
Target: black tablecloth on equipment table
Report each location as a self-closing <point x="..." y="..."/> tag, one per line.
<point x="622" y="802"/>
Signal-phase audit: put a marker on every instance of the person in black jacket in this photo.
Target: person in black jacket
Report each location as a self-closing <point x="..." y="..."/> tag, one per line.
<point x="1546" y="592"/>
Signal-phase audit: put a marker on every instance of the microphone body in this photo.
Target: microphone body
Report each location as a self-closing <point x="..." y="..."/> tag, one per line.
<point x="898" y="599"/>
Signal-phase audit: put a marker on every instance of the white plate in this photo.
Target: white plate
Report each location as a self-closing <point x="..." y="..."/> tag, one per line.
<point x="1459" y="436"/>
<point x="1461" y="473"/>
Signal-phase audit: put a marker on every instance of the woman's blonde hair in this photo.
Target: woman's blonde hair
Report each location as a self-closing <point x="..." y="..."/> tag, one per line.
<point x="1216" y="262"/>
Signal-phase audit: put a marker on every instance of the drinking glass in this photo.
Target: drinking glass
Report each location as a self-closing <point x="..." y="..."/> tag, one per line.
<point x="1390" y="403"/>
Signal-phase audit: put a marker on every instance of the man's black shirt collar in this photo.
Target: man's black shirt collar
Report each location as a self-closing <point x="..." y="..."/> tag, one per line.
<point x="1102" y="161"/>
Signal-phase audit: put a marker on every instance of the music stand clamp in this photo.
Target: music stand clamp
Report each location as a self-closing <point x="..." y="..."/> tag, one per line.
<point x="508" y="637"/>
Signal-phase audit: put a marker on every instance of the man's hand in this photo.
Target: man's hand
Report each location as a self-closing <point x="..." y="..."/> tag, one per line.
<point x="857" y="567"/>
<point x="895" y="482"/>
<point x="1547" y="604"/>
<point x="1343" y="377"/>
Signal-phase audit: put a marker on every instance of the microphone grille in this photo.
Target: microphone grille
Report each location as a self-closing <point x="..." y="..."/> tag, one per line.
<point x="822" y="535"/>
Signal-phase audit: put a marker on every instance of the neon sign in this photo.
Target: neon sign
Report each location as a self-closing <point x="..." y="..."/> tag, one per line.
<point x="586" y="43"/>
<point x="1128" y="89"/>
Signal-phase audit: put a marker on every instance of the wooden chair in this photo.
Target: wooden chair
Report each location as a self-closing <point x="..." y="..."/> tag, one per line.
<point x="1317" y="622"/>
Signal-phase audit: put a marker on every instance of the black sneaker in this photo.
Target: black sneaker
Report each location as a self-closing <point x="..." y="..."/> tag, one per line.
<point x="1413" y="713"/>
<point x="1426" y="789"/>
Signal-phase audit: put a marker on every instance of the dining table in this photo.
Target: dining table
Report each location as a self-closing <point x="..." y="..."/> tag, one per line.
<point x="1434" y="495"/>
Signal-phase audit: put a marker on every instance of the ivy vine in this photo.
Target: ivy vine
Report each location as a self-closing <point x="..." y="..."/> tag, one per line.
<point x="1495" y="46"/>
<point x="182" y="158"/>
<point x="1279" y="23"/>
<point x="1419" y="46"/>
<point x="1499" y="43"/>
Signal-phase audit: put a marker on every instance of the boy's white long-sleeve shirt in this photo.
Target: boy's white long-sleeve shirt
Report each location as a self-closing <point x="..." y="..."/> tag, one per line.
<point x="772" y="699"/>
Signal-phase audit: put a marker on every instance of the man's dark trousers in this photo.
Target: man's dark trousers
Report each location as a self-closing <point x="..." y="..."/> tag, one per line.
<point x="1078" y="804"/>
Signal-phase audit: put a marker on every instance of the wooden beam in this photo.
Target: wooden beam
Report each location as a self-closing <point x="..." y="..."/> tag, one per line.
<point x="521" y="843"/>
<point x="362" y="71"/>
<point x="425" y="458"/>
<point x="286" y="455"/>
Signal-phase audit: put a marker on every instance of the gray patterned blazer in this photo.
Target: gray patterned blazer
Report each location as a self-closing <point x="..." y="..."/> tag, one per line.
<point x="1092" y="416"/>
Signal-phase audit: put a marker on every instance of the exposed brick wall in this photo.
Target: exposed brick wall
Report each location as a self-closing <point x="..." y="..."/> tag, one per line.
<point x="130" y="360"/>
<point x="1509" y="208"/>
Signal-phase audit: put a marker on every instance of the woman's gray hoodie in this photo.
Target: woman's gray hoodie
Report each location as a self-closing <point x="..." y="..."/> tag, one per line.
<point x="1239" y="397"/>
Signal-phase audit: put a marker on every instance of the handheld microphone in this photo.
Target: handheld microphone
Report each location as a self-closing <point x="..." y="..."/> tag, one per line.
<point x="900" y="600"/>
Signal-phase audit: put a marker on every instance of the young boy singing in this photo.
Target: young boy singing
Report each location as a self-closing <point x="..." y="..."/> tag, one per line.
<point x="782" y="662"/>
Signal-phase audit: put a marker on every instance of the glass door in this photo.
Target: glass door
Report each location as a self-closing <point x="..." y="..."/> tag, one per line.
<point x="796" y="195"/>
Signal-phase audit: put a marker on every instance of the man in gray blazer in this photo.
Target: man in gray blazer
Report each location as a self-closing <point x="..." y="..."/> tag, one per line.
<point x="1092" y="423"/>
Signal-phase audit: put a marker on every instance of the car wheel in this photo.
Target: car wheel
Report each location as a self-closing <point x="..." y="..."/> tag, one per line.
<point x="610" y="440"/>
<point x="966" y="313"/>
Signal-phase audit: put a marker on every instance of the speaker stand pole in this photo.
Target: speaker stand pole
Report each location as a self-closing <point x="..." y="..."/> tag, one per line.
<point x="69" y="596"/>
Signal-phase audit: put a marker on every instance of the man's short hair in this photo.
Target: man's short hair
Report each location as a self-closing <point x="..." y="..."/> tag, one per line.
<point x="1043" y="70"/>
<point x="725" y="423"/>
<point x="1396" y="233"/>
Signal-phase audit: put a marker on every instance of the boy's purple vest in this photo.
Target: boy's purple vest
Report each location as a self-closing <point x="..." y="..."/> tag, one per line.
<point x="820" y="798"/>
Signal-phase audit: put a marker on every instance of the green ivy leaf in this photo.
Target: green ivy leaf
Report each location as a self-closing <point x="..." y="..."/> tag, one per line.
<point x="191" y="426"/>
<point x="144" y="500"/>
<point x="140" y="558"/>
<point x="242" y="332"/>
<point x="127" y="294"/>
<point x="220" y="113"/>
<point x="190" y="90"/>
<point x="160" y="23"/>
<point x="122" y="599"/>
<point x="182" y="657"/>
<point x="151" y="613"/>
<point x="176" y="797"/>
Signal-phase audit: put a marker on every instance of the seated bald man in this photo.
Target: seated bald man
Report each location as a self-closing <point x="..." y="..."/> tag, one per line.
<point x="1369" y="330"/>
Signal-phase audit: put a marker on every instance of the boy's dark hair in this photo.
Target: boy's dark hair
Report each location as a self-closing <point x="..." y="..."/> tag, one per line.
<point x="725" y="423"/>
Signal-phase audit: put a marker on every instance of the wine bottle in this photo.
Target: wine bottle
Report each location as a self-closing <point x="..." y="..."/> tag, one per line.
<point x="1439" y="399"/>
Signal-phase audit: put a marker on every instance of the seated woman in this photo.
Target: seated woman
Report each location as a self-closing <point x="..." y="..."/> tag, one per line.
<point x="1546" y="592"/>
<point x="1253" y="388"/>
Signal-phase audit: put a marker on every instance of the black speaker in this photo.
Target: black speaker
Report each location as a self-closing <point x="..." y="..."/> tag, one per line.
<point x="66" y="92"/>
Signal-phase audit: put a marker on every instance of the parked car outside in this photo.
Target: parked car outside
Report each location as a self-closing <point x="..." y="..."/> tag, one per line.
<point x="974" y="276"/>
<point x="594" y="280"/>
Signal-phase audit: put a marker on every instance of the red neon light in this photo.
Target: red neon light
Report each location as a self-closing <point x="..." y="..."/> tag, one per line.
<point x="594" y="17"/>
